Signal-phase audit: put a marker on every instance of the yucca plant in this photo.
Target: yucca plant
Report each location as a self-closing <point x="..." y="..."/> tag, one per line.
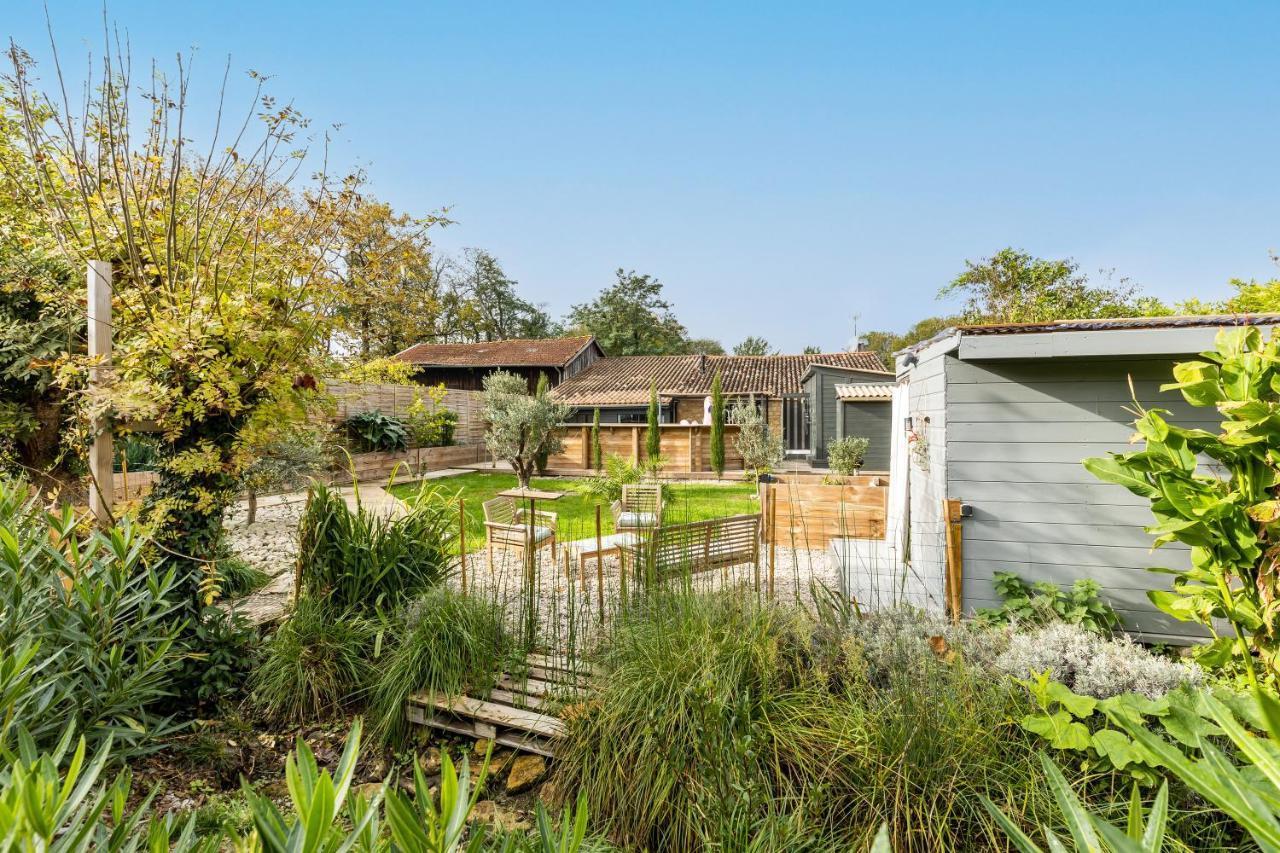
<point x="358" y="559"/>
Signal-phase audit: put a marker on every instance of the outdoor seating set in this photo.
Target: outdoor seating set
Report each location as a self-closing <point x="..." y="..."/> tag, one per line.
<point x="639" y="538"/>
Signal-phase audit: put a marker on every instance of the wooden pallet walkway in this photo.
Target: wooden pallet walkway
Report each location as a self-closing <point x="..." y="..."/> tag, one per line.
<point x="512" y="715"/>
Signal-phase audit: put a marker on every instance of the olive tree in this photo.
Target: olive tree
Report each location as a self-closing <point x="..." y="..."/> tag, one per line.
<point x="761" y="450"/>
<point x="522" y="426"/>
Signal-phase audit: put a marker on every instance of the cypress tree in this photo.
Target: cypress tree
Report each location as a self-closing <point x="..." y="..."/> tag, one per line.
<point x="653" y="438"/>
<point x="595" y="440"/>
<point x="717" y="426"/>
<point x="540" y="460"/>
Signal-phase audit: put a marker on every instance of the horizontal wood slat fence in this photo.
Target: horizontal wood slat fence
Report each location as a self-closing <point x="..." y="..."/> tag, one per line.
<point x="685" y="447"/>
<point x="392" y="399"/>
<point x="810" y="515"/>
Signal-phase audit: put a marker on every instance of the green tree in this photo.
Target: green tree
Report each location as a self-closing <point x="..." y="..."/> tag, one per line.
<point x="483" y="304"/>
<point x="717" y="426"/>
<point x="522" y="426"/>
<point x="753" y="345"/>
<point x="701" y="346"/>
<point x="542" y="392"/>
<point x="595" y="440"/>
<point x="885" y="344"/>
<point x="1013" y="286"/>
<point x="224" y="266"/>
<point x="631" y="318"/>
<point x="653" y="435"/>
<point x="811" y="349"/>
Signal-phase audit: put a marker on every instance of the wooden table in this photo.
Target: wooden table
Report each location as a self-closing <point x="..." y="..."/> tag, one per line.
<point x="531" y="559"/>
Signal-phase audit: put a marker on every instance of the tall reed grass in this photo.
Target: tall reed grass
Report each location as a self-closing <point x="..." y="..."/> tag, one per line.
<point x="726" y="723"/>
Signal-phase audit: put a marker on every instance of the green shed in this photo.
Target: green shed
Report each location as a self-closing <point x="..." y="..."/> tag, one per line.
<point x="845" y="402"/>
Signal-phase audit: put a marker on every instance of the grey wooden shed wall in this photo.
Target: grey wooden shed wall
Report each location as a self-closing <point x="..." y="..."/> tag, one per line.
<point x="1016" y="432"/>
<point x="868" y="419"/>
<point x="820" y="387"/>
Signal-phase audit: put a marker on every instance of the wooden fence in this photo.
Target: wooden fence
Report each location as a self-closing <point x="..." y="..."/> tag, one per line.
<point x="685" y="447"/>
<point x="810" y="515"/>
<point x="354" y="398"/>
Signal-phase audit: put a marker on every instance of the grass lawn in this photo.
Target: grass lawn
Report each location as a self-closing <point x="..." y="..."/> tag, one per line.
<point x="576" y="511"/>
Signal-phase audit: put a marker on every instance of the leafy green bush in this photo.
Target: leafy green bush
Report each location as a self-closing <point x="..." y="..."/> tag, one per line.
<point x="363" y="560"/>
<point x="377" y="431"/>
<point x="723" y="723"/>
<point x="444" y="642"/>
<point x="1226" y="511"/>
<point x="314" y="663"/>
<point x="1043" y="602"/>
<point x="224" y="648"/>
<point x="95" y="625"/>
<point x="431" y="425"/>
<point x="845" y="455"/>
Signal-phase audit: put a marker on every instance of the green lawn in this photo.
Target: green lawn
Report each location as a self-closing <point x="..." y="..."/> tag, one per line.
<point x="576" y="511"/>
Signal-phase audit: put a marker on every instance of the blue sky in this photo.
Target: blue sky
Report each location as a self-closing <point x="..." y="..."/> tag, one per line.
<point x="780" y="169"/>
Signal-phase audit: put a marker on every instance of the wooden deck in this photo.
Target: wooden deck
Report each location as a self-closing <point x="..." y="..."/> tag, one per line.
<point x="513" y="714"/>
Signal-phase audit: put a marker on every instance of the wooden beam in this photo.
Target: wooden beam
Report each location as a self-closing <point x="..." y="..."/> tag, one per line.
<point x="101" y="453"/>
<point x="955" y="558"/>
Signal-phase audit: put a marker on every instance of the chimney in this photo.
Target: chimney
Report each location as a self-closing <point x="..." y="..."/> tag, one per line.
<point x="702" y="362"/>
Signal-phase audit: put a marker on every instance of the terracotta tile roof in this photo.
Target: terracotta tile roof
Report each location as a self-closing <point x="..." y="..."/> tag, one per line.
<point x="864" y="391"/>
<point x="624" y="381"/>
<point x="549" y="352"/>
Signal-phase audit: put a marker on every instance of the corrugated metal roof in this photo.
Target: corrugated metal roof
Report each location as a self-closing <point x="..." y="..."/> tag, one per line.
<point x="1107" y="324"/>
<point x="864" y="391"/>
<point x="1101" y="325"/>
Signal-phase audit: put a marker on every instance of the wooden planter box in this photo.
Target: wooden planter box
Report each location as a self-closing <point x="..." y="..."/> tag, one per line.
<point x="809" y="515"/>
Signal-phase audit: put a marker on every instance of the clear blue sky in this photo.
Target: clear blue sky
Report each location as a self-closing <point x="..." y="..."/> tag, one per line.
<point x="780" y="169"/>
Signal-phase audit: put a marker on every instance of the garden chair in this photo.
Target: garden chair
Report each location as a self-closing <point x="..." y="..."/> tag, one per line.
<point x="507" y="526"/>
<point x="640" y="507"/>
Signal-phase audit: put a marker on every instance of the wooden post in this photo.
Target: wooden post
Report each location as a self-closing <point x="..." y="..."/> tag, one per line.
<point x="462" y="541"/>
<point x="955" y="558"/>
<point x="586" y="448"/>
<point x="600" y="568"/>
<point x="101" y="485"/>
<point x="773" y="534"/>
<point x="693" y="449"/>
<point x="635" y="445"/>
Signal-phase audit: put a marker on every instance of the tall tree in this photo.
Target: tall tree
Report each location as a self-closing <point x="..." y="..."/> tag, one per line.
<point x="885" y="344"/>
<point x="1013" y="286"/>
<point x="223" y="259"/>
<point x="717" y="426"/>
<point x="753" y="345"/>
<point x="389" y="294"/>
<point x="653" y="434"/>
<point x="484" y="304"/>
<point x="631" y="318"/>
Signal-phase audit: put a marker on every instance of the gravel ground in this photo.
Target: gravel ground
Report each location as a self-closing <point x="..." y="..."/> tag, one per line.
<point x="271" y="543"/>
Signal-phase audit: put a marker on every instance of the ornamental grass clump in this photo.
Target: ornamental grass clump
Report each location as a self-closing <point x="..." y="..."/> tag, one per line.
<point x="725" y="723"/>
<point x="444" y="642"/>
<point x="314" y="664"/>
<point x="363" y="560"/>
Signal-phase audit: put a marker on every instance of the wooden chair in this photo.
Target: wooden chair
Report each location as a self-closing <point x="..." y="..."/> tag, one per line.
<point x="507" y="526"/>
<point x="695" y="547"/>
<point x="639" y="509"/>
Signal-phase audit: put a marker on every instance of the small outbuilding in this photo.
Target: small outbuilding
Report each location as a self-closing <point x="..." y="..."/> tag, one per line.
<point x="997" y="419"/>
